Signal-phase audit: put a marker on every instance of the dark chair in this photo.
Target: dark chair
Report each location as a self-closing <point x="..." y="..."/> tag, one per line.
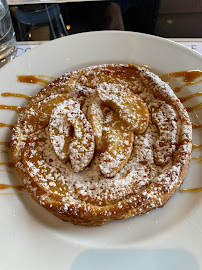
<point x="31" y="17"/>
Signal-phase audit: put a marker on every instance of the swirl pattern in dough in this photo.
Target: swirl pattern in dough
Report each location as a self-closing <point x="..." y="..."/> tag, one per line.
<point x="103" y="143"/>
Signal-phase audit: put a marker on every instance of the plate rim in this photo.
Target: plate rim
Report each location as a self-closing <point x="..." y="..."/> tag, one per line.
<point x="50" y="43"/>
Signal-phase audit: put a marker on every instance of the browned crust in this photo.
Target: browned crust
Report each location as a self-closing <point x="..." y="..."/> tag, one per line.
<point x="93" y="215"/>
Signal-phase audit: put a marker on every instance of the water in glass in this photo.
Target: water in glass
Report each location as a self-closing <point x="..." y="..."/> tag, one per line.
<point x="7" y="35"/>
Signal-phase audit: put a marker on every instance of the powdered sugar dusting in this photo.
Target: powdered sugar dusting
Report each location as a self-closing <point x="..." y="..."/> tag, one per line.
<point x="81" y="147"/>
<point x="153" y="160"/>
<point x="130" y="108"/>
<point x="165" y="118"/>
<point x="59" y="132"/>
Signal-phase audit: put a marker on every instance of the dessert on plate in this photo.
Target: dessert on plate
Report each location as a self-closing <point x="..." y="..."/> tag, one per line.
<point x="103" y="143"/>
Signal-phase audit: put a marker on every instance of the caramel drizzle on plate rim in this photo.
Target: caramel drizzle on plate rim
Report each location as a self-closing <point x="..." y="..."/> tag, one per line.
<point x="194" y="126"/>
<point x="177" y="89"/>
<point x="9" y="164"/>
<point x="189" y="76"/>
<point x="8" y="144"/>
<point x="38" y="79"/>
<point x="6" y="125"/>
<point x="8" y="171"/>
<point x="18" y="187"/>
<point x="191" y="190"/>
<point x="197" y="158"/>
<point x="4" y="151"/>
<point x="13" y="108"/>
<point x="18" y="194"/>
<point x="190" y="96"/>
<point x="7" y="94"/>
<point x="190" y="109"/>
<point x="196" y="146"/>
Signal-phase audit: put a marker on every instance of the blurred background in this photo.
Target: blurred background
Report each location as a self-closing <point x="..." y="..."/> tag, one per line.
<point x="165" y="18"/>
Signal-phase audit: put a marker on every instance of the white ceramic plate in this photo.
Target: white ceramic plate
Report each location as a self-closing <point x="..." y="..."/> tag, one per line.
<point x="32" y="238"/>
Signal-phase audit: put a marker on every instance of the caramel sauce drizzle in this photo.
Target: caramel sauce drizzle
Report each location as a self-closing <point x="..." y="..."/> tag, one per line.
<point x="39" y="79"/>
<point x="9" y="164"/>
<point x="5" y="125"/>
<point x="19" y="194"/>
<point x="191" y="96"/>
<point x="195" y="146"/>
<point x="189" y="76"/>
<point x="191" y="190"/>
<point x="19" y="187"/>
<point x="196" y="126"/>
<point x="190" y="109"/>
<point x="177" y="89"/>
<point x="16" y="95"/>
<point x="4" y="151"/>
<point x="7" y="171"/>
<point x="188" y="98"/>
<point x="7" y="107"/>
<point x="197" y="158"/>
<point x="8" y="144"/>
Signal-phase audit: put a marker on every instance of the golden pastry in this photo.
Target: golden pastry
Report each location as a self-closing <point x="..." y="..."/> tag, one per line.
<point x="103" y="143"/>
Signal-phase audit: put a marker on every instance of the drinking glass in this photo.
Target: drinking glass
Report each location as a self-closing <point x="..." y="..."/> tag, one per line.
<point x="8" y="47"/>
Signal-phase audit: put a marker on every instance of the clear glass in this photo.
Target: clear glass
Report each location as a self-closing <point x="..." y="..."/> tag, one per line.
<point x="7" y="35"/>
